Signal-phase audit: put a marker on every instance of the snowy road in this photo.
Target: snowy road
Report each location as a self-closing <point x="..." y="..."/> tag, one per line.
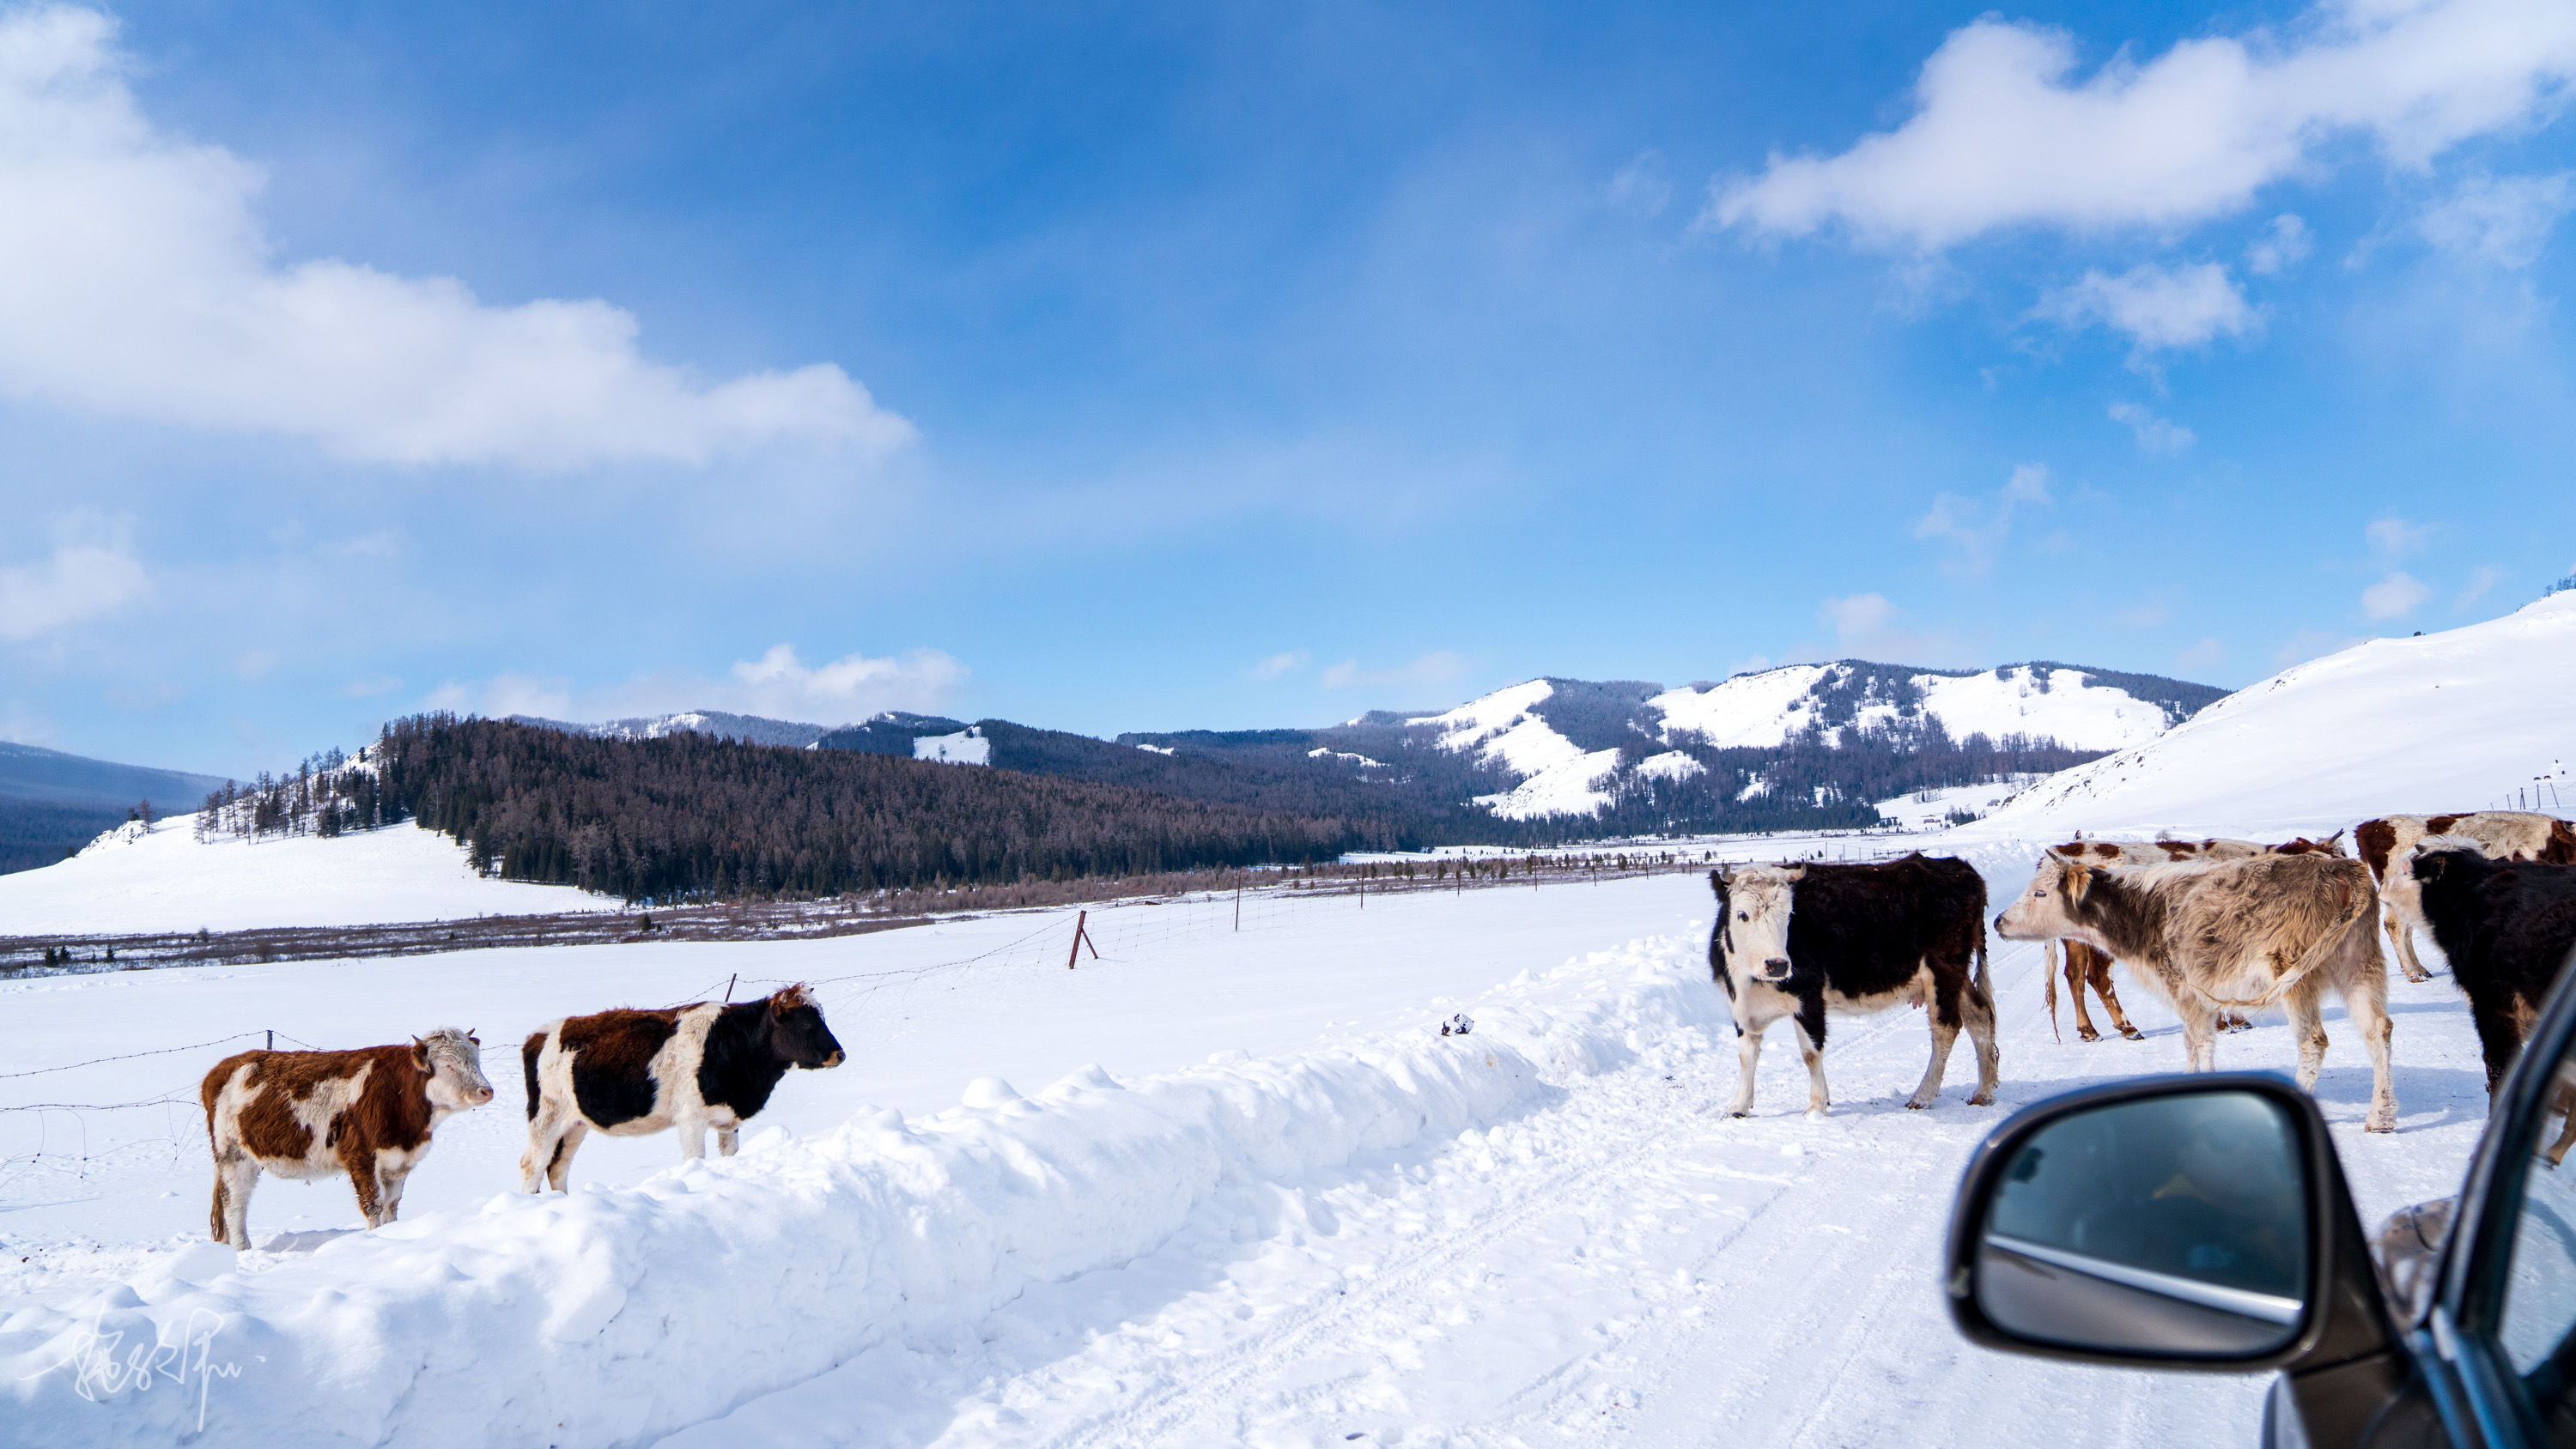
<point x="1545" y="1234"/>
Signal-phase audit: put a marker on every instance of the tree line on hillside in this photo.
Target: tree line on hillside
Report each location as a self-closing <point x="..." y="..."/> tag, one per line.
<point x="692" y="817"/>
<point x="327" y="794"/>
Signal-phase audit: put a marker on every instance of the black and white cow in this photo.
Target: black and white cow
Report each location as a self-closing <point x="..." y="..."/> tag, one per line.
<point x="1803" y="941"/>
<point x="634" y="1073"/>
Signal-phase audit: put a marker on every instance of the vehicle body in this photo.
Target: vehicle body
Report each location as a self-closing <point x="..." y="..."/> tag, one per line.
<point x="2203" y="1223"/>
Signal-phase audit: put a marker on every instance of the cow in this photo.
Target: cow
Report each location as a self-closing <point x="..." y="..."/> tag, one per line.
<point x="1801" y="941"/>
<point x="2231" y="935"/>
<point x="2501" y="834"/>
<point x="367" y="1113"/>
<point x="634" y="1073"/>
<point x="2088" y="967"/>
<point x="2507" y="927"/>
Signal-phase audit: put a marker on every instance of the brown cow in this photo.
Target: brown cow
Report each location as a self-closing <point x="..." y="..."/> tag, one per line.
<point x="2086" y="966"/>
<point x="2239" y="934"/>
<point x="367" y="1113"/>
<point x="2500" y="834"/>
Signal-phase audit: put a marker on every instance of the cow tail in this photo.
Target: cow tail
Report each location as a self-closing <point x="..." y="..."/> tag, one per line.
<point x="2048" y="974"/>
<point x="528" y="1052"/>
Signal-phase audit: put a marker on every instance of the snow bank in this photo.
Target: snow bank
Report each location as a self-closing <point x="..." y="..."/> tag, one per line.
<point x="167" y="880"/>
<point x="624" y="1314"/>
<point x="966" y="747"/>
<point x="2452" y="721"/>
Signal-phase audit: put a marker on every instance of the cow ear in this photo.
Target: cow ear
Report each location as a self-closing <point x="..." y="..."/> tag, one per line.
<point x="1720" y="878"/>
<point x="1797" y="873"/>
<point x="2093" y="875"/>
<point x="419" y="1051"/>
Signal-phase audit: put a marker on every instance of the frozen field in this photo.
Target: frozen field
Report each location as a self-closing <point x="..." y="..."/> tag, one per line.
<point x="1243" y="1193"/>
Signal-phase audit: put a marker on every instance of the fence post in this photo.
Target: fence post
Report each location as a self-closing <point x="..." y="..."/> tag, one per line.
<point x="272" y="1038"/>
<point x="1238" y="908"/>
<point x="729" y="981"/>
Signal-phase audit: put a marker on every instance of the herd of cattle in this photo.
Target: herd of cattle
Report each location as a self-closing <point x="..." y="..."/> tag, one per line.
<point x="2218" y="928"/>
<point x="369" y="1113"/>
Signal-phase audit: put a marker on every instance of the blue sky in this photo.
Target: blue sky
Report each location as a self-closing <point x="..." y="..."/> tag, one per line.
<point x="1156" y="367"/>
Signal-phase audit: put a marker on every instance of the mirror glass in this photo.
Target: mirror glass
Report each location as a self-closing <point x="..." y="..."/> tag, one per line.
<point x="2170" y="1225"/>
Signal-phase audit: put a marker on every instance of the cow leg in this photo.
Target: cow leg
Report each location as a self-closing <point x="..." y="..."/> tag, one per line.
<point x="2076" y="960"/>
<point x="2359" y="974"/>
<point x="692" y="1127"/>
<point x="234" y="1179"/>
<point x="2199" y="1036"/>
<point x="727" y="1138"/>
<point x="547" y="1126"/>
<point x="390" y="1180"/>
<point x="559" y="1167"/>
<point x="1748" y="1054"/>
<point x="1978" y="1007"/>
<point x="2401" y="944"/>
<point x="2307" y="1027"/>
<point x="1945" y="1034"/>
<point x="371" y="1198"/>
<point x="2566" y="1106"/>
<point x="1819" y="1100"/>
<point x="2099" y="978"/>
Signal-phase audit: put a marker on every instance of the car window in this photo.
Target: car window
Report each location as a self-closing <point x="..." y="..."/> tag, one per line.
<point x="2536" y="1327"/>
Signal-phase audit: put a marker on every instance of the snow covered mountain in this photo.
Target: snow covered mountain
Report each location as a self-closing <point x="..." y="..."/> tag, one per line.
<point x="749" y="728"/>
<point x="2482" y="717"/>
<point x="1568" y="746"/>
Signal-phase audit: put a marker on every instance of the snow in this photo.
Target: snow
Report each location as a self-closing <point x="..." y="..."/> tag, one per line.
<point x="2072" y="710"/>
<point x="1160" y="749"/>
<point x="168" y="881"/>
<point x="1670" y="765"/>
<point x="966" y="747"/>
<point x="1575" y="786"/>
<point x="1499" y="728"/>
<point x="1341" y="1223"/>
<point x="1328" y="752"/>
<point x="1931" y="809"/>
<point x="1750" y="711"/>
<point x="2452" y="721"/>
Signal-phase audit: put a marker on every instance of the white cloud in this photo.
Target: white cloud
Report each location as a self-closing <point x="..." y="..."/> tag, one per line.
<point x="2155" y="434"/>
<point x="2283" y="245"/>
<point x="25" y="726"/>
<point x="135" y="282"/>
<point x="1439" y="666"/>
<point x="2158" y="308"/>
<point x="2006" y="133"/>
<point x="2207" y="654"/>
<point x="2394" y="596"/>
<point x="1643" y="187"/>
<point x="1868" y="626"/>
<point x="777" y="685"/>
<point x="92" y="572"/>
<point x="2503" y="221"/>
<point x="1279" y="664"/>
<point x="548" y="697"/>
<point x="2485" y="578"/>
<point x="2394" y="537"/>
<point x="1976" y="529"/>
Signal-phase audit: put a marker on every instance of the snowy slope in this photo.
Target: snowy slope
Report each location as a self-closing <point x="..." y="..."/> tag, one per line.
<point x="2068" y="705"/>
<point x="1543" y="1232"/>
<point x="2453" y="721"/>
<point x="751" y="728"/>
<point x="168" y="881"/>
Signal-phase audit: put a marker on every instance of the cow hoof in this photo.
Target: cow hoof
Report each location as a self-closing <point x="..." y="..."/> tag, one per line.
<point x="2379" y="1122"/>
<point x="2133" y="1034"/>
<point x="2419" y="976"/>
<point x="1913" y="1104"/>
<point x="1741" y="1112"/>
<point x="2086" y="1034"/>
<point x="1982" y="1099"/>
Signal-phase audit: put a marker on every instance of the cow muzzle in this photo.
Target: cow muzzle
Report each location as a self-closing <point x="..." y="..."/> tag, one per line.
<point x="835" y="1059"/>
<point x="482" y="1095"/>
<point x="1774" y="969"/>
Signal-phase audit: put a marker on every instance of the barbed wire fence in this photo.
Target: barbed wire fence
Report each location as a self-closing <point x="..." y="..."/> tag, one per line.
<point x="1097" y="936"/>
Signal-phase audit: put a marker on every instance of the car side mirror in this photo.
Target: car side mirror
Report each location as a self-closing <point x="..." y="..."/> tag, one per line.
<point x="2182" y="1222"/>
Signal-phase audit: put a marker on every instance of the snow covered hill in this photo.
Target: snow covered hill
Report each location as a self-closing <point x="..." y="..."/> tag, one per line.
<point x="750" y="728"/>
<point x="167" y="880"/>
<point x="1568" y="745"/>
<point x="2482" y="717"/>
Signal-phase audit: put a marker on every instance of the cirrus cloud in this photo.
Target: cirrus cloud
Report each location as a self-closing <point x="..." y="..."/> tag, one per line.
<point x="92" y="571"/>
<point x="135" y="282"/>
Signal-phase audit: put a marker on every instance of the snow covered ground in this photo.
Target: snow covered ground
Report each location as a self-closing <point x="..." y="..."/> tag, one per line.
<point x="167" y="881"/>
<point x="1341" y="1228"/>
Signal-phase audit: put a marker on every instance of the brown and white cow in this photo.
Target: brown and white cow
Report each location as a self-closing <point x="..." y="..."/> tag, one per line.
<point x="2086" y="966"/>
<point x="2231" y="935"/>
<point x="634" y="1073"/>
<point x="367" y="1113"/>
<point x="2499" y="834"/>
